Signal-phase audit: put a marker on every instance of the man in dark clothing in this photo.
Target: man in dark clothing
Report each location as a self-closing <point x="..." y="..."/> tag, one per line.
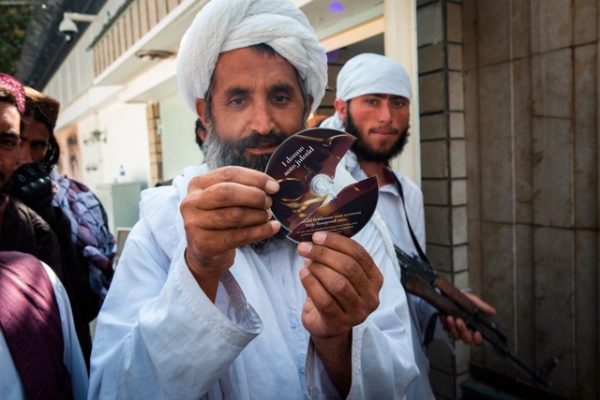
<point x="21" y="229"/>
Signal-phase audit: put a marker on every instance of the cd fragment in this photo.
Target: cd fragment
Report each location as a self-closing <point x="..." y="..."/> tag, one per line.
<point x="308" y="200"/>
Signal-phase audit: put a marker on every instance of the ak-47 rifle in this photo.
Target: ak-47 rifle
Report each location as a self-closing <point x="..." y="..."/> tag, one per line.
<point x="420" y="279"/>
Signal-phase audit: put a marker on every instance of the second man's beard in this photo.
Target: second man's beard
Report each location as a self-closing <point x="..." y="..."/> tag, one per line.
<point x="364" y="152"/>
<point x="221" y="153"/>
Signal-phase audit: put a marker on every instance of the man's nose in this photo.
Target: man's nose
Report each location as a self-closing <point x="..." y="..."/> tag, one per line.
<point x="262" y="118"/>
<point x="385" y="112"/>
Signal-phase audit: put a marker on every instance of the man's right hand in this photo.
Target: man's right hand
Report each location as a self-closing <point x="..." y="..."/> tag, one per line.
<point x="224" y="209"/>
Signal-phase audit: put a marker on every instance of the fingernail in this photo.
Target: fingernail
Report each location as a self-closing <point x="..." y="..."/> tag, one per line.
<point x="304" y="248"/>
<point x="268" y="201"/>
<point x="272" y="186"/>
<point x="275" y="225"/>
<point x="307" y="262"/>
<point x="319" y="237"/>
<point x="304" y="272"/>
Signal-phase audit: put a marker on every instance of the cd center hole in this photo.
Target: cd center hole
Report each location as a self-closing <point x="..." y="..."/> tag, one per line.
<point x="322" y="184"/>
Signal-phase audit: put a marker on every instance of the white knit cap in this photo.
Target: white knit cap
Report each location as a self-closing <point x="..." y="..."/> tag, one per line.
<point x="368" y="73"/>
<point x="225" y="25"/>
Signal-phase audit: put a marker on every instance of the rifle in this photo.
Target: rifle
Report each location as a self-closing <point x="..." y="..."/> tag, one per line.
<point x="420" y="279"/>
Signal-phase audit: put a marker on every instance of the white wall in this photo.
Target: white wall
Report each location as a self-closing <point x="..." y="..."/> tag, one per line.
<point x="127" y="144"/>
<point x="179" y="148"/>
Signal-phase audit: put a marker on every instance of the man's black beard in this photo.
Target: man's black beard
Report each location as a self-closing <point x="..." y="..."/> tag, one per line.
<point x="220" y="153"/>
<point x="365" y="153"/>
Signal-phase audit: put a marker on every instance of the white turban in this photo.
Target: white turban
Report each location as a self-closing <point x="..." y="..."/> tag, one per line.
<point x="369" y="73"/>
<point x="225" y="25"/>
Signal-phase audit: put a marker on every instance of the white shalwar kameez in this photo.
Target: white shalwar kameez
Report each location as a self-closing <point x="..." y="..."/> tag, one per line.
<point x="158" y="336"/>
<point x="390" y="207"/>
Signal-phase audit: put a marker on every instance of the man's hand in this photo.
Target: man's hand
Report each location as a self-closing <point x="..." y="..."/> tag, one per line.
<point x="342" y="284"/>
<point x="457" y="327"/>
<point x="225" y="209"/>
<point x="342" y="288"/>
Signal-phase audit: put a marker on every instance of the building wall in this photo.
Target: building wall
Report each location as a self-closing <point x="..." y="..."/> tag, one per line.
<point x="531" y="112"/>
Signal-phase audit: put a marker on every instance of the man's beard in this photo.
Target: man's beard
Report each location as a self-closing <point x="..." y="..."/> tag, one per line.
<point x="365" y="153"/>
<point x="220" y="153"/>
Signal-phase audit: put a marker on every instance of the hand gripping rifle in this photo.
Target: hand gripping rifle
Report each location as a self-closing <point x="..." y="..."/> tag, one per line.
<point x="420" y="279"/>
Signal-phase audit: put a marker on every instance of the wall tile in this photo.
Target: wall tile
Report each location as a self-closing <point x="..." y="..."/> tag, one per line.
<point x="552" y="78"/>
<point x="434" y="159"/>
<point x="554" y="303"/>
<point x="440" y="257"/>
<point x="524" y="331"/>
<point x="437" y="225"/>
<point x="459" y="192"/>
<point x="586" y="137"/>
<point x="433" y="126"/>
<point x="432" y="92"/>
<point x="456" y="91"/>
<point x="459" y="225"/>
<point x="457" y="125"/>
<point x="552" y="172"/>
<point x="431" y="58"/>
<point x="472" y="139"/>
<point x="586" y="21"/>
<point x="460" y="259"/>
<point x="458" y="164"/>
<point x="455" y="57"/>
<point x="521" y="116"/>
<point x="586" y="312"/>
<point x="435" y="192"/>
<point x="551" y="25"/>
<point x="429" y="24"/>
<point x="496" y="153"/>
<point x="454" y="22"/>
<point x="470" y="38"/>
<point x="493" y="31"/>
<point x="498" y="270"/>
<point x="520" y="27"/>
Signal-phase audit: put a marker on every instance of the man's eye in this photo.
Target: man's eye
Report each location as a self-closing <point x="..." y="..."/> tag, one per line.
<point x="401" y="103"/>
<point x="281" y="99"/>
<point x="8" y="143"/>
<point x="372" y="102"/>
<point x="237" y="101"/>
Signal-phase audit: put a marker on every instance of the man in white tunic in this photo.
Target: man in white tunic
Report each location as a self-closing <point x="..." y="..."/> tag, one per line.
<point x="209" y="300"/>
<point x="372" y="103"/>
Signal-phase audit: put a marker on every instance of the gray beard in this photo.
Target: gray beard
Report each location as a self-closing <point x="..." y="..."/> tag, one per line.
<point x="221" y="153"/>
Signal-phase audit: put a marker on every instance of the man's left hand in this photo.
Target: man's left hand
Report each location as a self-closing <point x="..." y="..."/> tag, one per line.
<point x="457" y="327"/>
<point x="342" y="284"/>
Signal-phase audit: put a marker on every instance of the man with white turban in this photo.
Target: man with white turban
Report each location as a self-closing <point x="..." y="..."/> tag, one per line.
<point x="372" y="103"/>
<point x="208" y="301"/>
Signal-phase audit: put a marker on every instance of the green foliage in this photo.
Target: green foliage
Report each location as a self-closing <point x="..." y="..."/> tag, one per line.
<point x="13" y="28"/>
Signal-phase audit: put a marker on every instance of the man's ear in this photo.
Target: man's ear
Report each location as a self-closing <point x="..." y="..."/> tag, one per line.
<point x="341" y="108"/>
<point x="201" y="110"/>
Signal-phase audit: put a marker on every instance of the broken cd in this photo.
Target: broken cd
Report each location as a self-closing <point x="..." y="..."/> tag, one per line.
<point x="309" y="200"/>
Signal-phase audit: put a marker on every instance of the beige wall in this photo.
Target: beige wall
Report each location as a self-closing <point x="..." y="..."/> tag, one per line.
<point x="531" y="127"/>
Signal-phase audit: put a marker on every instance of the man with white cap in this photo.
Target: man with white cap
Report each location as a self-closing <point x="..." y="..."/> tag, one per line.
<point x="207" y="301"/>
<point x="372" y="103"/>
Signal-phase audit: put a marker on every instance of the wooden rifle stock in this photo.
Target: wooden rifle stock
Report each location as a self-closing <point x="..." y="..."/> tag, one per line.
<point x="420" y="279"/>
